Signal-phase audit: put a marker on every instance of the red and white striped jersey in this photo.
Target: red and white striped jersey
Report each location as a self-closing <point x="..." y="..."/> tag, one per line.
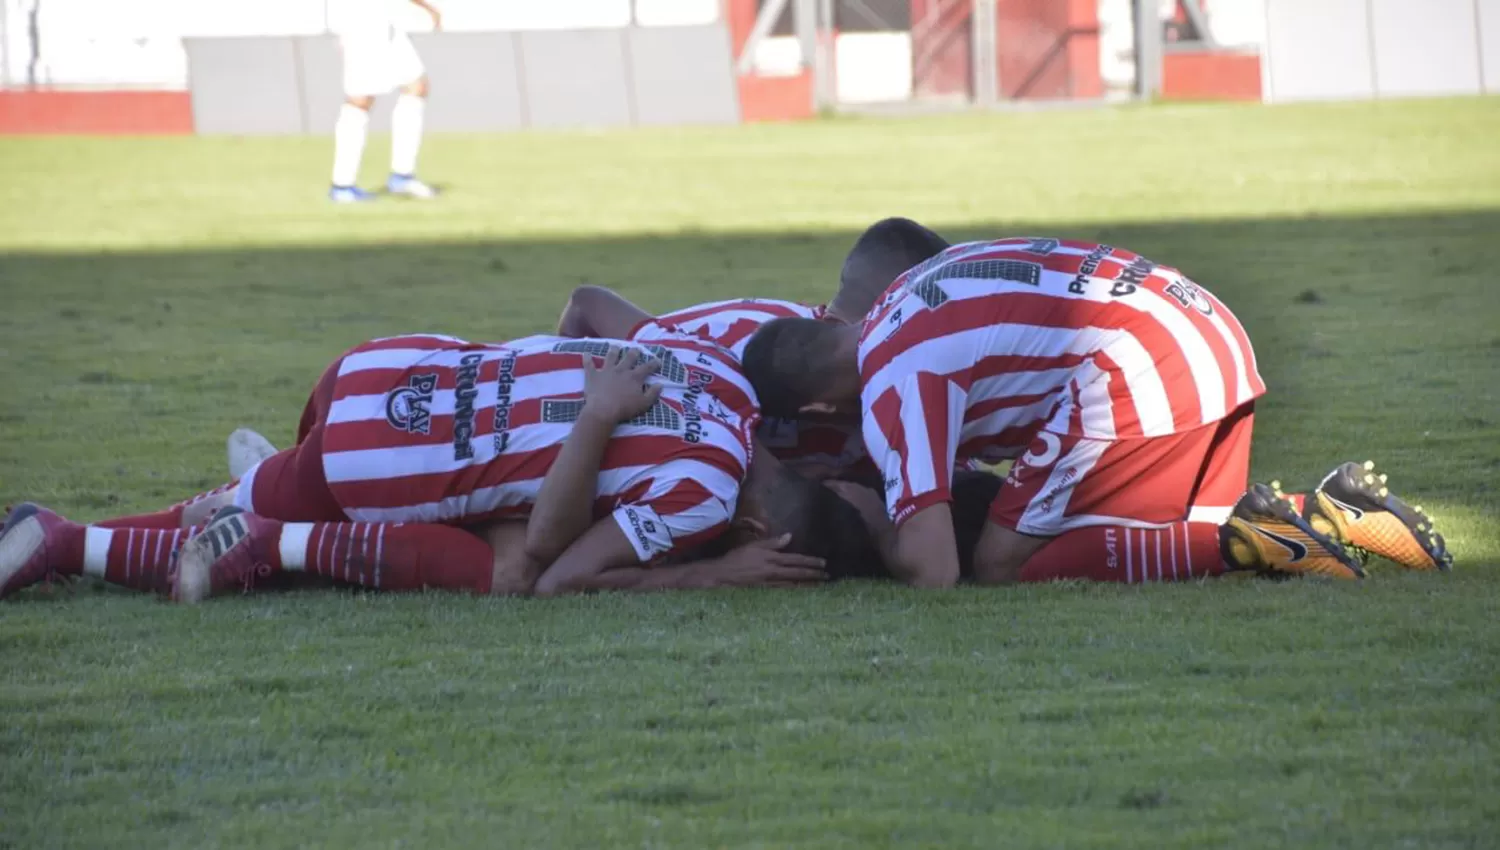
<point x="730" y="324"/>
<point x="974" y="351"/>
<point x="429" y="428"/>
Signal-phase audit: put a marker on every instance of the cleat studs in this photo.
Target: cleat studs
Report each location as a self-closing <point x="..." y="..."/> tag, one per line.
<point x="1276" y="485"/>
<point x="1369" y="480"/>
<point x="1383" y="492"/>
<point x="1417" y="508"/>
<point x="1369" y="465"/>
<point x="1382" y="479"/>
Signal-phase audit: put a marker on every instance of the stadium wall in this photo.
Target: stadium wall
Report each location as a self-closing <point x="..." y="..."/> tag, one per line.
<point x="481" y="81"/>
<point x="1361" y="49"/>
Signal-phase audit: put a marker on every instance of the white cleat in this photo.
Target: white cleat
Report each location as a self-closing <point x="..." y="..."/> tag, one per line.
<point x="246" y="448"/>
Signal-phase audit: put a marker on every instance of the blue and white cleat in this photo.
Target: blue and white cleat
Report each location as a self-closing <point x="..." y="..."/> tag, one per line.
<point x="349" y="195"/>
<point x="410" y="186"/>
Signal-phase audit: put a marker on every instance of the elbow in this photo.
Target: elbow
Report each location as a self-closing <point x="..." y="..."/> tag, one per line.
<point x="553" y="583"/>
<point x="936" y="581"/>
<point x="584" y="296"/>
<point x="935" y="576"/>
<point x="546" y="586"/>
<point x="540" y="551"/>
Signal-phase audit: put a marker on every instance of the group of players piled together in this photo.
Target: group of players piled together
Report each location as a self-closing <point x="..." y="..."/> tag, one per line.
<point x="767" y="443"/>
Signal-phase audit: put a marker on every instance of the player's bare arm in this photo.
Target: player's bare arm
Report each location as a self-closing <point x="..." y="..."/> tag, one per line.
<point x="515" y="572"/>
<point x="604" y="559"/>
<point x="599" y="312"/>
<point x="612" y="394"/>
<point x="925" y="551"/>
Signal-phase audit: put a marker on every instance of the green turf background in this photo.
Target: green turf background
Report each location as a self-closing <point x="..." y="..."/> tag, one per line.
<point x="155" y="293"/>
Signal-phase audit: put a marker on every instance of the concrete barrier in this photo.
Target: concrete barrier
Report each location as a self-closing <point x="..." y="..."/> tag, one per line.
<point x="481" y="81"/>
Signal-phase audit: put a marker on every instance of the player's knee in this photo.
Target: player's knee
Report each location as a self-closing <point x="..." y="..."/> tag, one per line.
<point x="1001" y="553"/>
<point x="360" y="101"/>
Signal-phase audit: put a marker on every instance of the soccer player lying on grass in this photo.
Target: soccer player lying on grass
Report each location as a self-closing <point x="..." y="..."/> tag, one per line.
<point x="433" y="432"/>
<point x="1126" y="390"/>
<point x="814" y="448"/>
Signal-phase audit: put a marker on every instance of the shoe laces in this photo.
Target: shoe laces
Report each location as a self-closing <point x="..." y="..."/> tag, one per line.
<point x="256" y="571"/>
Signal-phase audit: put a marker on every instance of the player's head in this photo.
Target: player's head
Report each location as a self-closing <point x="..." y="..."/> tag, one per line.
<point x="775" y="500"/>
<point x="880" y="255"/>
<point x="803" y="366"/>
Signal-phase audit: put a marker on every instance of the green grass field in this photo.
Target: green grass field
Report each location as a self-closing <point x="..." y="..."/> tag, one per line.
<point x="159" y="292"/>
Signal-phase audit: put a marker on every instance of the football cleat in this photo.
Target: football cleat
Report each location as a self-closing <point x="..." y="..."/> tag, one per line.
<point x="1354" y="504"/>
<point x="410" y="186"/>
<point x="1265" y="533"/>
<point x="246" y="448"/>
<point x="23" y="546"/>
<point x="222" y="558"/>
<point x="349" y="195"/>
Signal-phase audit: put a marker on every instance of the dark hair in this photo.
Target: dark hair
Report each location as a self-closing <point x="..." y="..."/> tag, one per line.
<point x="784" y="361"/>
<point x="973" y="493"/>
<point x="881" y="254"/>
<point x="824" y="525"/>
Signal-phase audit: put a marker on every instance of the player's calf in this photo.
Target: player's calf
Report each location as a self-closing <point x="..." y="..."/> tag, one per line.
<point x="1354" y="505"/>
<point x="237" y="549"/>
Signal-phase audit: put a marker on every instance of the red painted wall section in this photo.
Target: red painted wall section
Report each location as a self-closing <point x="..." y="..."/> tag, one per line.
<point x="942" y="49"/>
<point x="1211" y="75"/>
<point x="1048" y="49"/>
<point x="105" y="113"/>
<point x="765" y="98"/>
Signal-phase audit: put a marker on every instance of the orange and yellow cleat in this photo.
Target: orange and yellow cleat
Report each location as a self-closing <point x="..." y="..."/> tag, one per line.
<point x="1266" y="534"/>
<point x="1355" y="506"/>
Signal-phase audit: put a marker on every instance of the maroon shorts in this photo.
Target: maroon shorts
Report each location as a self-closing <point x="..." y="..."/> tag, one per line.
<point x="290" y="485"/>
<point x="1066" y="482"/>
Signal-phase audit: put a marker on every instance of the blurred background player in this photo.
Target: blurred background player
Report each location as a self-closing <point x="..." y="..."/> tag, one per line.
<point x="379" y="57"/>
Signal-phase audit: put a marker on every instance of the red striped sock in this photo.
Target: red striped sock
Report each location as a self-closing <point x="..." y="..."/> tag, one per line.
<point x="1178" y="552"/>
<point x="137" y="558"/>
<point x="383" y="555"/>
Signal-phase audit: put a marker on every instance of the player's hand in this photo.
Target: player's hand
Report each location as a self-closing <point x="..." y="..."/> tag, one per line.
<point x="763" y="564"/>
<point x="617" y="391"/>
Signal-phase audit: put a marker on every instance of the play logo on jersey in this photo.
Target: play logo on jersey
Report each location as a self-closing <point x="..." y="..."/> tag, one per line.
<point x="409" y="408"/>
<point x="647" y="533"/>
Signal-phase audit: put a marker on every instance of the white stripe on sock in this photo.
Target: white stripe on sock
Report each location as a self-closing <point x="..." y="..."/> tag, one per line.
<point x="294" y="536"/>
<point x="96" y="550"/>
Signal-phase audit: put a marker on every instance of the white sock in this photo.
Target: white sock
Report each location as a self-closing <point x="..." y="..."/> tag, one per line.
<point x="96" y="550"/>
<point x="293" y="545"/>
<point x="349" y="144"/>
<point x="406" y="133"/>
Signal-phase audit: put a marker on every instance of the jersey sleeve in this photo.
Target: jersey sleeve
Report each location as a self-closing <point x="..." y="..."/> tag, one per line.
<point x="657" y="330"/>
<point x="688" y="502"/>
<point x="912" y="429"/>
